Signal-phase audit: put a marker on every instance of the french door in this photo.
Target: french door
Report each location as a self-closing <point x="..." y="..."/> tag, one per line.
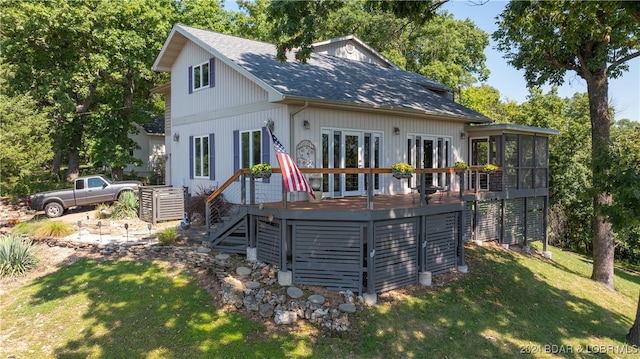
<point x="426" y="151"/>
<point x="349" y="149"/>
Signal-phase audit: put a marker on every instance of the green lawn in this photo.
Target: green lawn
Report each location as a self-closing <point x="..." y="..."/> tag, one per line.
<point x="508" y="304"/>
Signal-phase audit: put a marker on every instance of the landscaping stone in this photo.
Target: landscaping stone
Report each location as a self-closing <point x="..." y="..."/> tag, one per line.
<point x="243" y="271"/>
<point x="266" y="310"/>
<point x="316" y="299"/>
<point x="283" y="317"/>
<point x="252" y="285"/>
<point x="261" y="294"/>
<point x="294" y="292"/>
<point x="347" y="308"/>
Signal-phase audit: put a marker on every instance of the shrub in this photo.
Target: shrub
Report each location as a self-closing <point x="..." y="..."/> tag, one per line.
<point x="24" y="229"/>
<point x="102" y="211"/>
<point x="126" y="206"/>
<point x="51" y="229"/>
<point x="196" y="205"/>
<point x="168" y="236"/>
<point x="17" y="256"/>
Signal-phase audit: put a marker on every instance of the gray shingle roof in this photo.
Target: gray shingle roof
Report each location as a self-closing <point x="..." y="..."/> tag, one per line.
<point x="331" y="78"/>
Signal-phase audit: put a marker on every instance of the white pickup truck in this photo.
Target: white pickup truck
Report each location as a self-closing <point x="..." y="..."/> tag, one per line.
<point x="87" y="190"/>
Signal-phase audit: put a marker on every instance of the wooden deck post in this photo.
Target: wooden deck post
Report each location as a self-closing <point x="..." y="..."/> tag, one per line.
<point x="285" y="276"/>
<point x="370" y="189"/>
<point x="462" y="267"/>
<point x="243" y="189"/>
<point x="252" y="189"/>
<point x="545" y="224"/>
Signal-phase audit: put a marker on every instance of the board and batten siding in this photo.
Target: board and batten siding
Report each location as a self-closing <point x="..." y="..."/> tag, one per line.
<point x="394" y="146"/>
<point x="231" y="88"/>
<point x="349" y="50"/>
<point x="223" y="128"/>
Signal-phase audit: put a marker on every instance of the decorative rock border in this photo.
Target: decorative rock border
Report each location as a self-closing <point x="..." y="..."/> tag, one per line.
<point x="253" y="287"/>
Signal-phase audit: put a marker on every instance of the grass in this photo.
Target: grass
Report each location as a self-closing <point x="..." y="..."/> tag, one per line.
<point x="43" y="229"/>
<point x="506" y="305"/>
<point x="168" y="236"/>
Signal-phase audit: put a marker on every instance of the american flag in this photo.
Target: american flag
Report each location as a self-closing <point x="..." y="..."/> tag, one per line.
<point x="293" y="180"/>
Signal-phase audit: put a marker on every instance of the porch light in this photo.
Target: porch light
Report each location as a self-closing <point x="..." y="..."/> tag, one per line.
<point x="396" y="131"/>
<point x="176" y="137"/>
<point x="463" y="135"/>
<point x="306" y="124"/>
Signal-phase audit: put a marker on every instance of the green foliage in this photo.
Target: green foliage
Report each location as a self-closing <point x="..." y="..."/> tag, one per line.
<point x="17" y="256"/>
<point x="624" y="176"/>
<point x="443" y="49"/>
<point x="484" y="312"/>
<point x="42" y="229"/>
<point x="168" y="236"/>
<point x="52" y="229"/>
<point x="102" y="211"/>
<point x="25" y="138"/>
<point x="299" y="23"/>
<point x="585" y="37"/>
<point x="126" y="206"/>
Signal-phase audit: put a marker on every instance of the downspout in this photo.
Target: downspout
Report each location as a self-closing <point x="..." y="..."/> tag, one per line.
<point x="291" y="118"/>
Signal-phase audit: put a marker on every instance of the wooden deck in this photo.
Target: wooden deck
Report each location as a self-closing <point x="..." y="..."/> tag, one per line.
<point x="386" y="202"/>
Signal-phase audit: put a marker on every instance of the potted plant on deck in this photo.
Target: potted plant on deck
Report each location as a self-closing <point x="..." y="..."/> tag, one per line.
<point x="261" y="170"/>
<point x="402" y="170"/>
<point x="460" y="165"/>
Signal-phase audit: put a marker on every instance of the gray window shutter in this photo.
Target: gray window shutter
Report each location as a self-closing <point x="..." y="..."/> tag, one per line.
<point x="266" y="146"/>
<point x="212" y="158"/>
<point x="236" y="151"/>
<point x="190" y="79"/>
<point x="191" y="157"/>
<point x="212" y="72"/>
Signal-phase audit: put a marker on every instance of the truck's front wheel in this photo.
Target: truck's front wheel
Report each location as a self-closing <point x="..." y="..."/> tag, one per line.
<point x="53" y="209"/>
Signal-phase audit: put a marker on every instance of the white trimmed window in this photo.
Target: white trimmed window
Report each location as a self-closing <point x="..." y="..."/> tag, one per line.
<point x="251" y="148"/>
<point x="202" y="75"/>
<point x="201" y="156"/>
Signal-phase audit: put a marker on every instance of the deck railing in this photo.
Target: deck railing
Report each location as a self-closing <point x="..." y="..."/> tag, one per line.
<point x="245" y="173"/>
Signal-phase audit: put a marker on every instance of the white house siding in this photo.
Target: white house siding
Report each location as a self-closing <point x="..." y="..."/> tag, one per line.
<point x="234" y="103"/>
<point x="168" y="136"/>
<point x="394" y="146"/>
<point x="355" y="52"/>
<point x="223" y="128"/>
<point x="231" y="89"/>
<point x="151" y="146"/>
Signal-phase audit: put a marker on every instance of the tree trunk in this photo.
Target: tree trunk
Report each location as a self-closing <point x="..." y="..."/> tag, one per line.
<point x="633" y="337"/>
<point x="74" y="153"/>
<point x="603" y="249"/>
<point x="117" y="174"/>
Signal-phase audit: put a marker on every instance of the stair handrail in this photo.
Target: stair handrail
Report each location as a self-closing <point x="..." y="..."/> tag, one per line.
<point x="228" y="183"/>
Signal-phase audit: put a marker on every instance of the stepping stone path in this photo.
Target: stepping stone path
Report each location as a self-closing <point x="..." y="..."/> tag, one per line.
<point x="347" y="308"/>
<point x="294" y="292"/>
<point x="316" y="299"/>
<point x="252" y="285"/>
<point x="243" y="271"/>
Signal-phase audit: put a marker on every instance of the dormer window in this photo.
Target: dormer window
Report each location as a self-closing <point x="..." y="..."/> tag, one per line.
<point x="202" y="75"/>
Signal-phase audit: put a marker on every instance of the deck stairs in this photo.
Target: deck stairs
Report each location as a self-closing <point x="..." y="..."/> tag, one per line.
<point x="228" y="233"/>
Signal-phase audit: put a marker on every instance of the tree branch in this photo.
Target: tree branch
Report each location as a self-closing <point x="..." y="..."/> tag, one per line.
<point x="623" y="60"/>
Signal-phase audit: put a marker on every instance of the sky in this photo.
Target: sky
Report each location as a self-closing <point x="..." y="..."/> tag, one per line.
<point x="624" y="92"/>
